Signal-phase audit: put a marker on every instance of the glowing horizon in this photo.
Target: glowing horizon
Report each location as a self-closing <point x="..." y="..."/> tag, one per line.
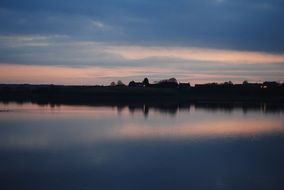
<point x="91" y="75"/>
<point x="194" y="65"/>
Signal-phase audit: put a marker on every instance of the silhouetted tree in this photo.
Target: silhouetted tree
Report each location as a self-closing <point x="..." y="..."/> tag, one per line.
<point x="145" y="82"/>
<point x="131" y="83"/>
<point x="168" y="83"/>
<point x="245" y="82"/>
<point x="228" y="83"/>
<point x="120" y="83"/>
<point x="112" y="84"/>
<point x="173" y="80"/>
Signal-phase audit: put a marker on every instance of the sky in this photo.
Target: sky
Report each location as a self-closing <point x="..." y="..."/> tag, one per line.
<point x="92" y="42"/>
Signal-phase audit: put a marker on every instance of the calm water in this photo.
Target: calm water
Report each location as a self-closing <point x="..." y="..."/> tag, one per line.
<point x="91" y="147"/>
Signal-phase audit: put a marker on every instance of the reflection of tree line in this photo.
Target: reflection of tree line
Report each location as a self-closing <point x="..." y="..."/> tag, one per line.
<point x="225" y="107"/>
<point x="169" y="108"/>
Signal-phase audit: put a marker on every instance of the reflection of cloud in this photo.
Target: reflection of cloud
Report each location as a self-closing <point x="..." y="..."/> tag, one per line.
<point x="44" y="127"/>
<point x="31" y="142"/>
<point x="220" y="128"/>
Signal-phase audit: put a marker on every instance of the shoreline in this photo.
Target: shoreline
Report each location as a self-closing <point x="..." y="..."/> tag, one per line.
<point x="57" y="94"/>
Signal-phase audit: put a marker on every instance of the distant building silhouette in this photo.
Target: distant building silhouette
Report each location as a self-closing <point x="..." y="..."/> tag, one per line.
<point x="270" y="84"/>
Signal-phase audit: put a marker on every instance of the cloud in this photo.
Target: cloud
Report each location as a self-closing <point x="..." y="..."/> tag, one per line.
<point x="97" y="24"/>
<point x="61" y="50"/>
<point x="100" y="63"/>
<point x="239" y="25"/>
<point x="194" y="39"/>
<point x="198" y="54"/>
<point x="28" y="41"/>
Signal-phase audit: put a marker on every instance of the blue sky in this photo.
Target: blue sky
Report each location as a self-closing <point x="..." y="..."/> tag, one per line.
<point x="192" y="40"/>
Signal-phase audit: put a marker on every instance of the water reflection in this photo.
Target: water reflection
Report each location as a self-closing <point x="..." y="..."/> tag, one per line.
<point x="31" y="125"/>
<point x="141" y="146"/>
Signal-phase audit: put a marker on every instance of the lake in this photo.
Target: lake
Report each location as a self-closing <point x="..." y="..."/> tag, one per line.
<point x="141" y="147"/>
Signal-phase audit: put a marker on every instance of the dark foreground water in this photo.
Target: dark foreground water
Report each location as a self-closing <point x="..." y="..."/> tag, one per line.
<point x="89" y="147"/>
